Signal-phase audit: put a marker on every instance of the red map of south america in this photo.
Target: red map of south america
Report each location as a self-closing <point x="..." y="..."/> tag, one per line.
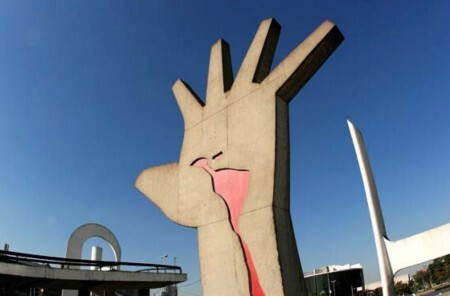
<point x="232" y="186"/>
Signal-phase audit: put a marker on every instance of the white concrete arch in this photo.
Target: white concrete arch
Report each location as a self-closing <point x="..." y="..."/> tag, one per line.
<point x="395" y="255"/>
<point x="89" y="230"/>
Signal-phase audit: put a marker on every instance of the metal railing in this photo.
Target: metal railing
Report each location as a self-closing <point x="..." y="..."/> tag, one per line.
<point x="67" y="263"/>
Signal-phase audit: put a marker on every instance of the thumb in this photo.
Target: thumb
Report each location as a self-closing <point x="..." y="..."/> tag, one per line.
<point x="160" y="185"/>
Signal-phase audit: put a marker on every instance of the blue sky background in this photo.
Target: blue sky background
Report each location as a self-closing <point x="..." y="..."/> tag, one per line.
<point x="86" y="104"/>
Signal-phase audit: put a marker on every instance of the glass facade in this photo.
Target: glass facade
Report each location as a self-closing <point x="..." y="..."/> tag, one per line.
<point x="348" y="282"/>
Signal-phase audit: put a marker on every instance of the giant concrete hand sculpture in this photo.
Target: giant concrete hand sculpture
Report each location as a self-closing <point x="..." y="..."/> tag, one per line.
<point x="232" y="179"/>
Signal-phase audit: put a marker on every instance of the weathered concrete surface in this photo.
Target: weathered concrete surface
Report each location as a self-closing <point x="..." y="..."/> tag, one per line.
<point x="246" y="121"/>
<point x="395" y="255"/>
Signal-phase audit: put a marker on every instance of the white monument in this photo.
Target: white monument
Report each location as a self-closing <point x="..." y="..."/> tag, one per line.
<point x="395" y="255"/>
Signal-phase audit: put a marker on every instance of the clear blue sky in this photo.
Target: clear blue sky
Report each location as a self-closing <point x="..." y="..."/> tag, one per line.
<point x="86" y="104"/>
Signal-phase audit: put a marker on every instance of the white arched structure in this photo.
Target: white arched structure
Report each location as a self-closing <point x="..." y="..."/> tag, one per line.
<point x="395" y="255"/>
<point x="87" y="231"/>
<point x="80" y="236"/>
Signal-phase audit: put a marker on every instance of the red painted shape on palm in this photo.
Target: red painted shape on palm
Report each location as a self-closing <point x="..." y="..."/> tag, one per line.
<point x="232" y="186"/>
